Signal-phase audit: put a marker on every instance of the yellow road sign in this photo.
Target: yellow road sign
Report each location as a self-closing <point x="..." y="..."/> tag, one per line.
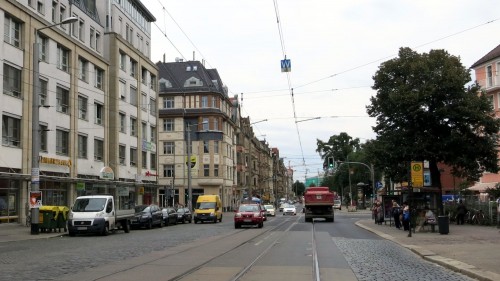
<point x="417" y="174"/>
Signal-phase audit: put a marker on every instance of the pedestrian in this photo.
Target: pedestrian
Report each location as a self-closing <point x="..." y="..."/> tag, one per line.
<point x="396" y="211"/>
<point x="406" y="216"/>
<point x="374" y="211"/>
<point x="380" y="213"/>
<point x="461" y="211"/>
<point x="498" y="212"/>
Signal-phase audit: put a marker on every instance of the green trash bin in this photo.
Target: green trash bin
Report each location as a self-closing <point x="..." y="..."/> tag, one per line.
<point x="62" y="218"/>
<point x="48" y="218"/>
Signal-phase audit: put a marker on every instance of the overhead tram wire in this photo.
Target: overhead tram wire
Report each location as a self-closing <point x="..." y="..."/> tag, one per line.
<point x="283" y="49"/>
<point x="386" y="57"/>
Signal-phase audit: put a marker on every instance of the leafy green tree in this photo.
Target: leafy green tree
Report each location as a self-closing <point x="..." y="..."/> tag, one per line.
<point x="338" y="147"/>
<point x="425" y="111"/>
<point x="299" y="188"/>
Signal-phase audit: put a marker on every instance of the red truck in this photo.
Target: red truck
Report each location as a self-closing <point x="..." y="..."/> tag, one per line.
<point x="318" y="203"/>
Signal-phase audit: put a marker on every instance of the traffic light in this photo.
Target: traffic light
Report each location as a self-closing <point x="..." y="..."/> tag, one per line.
<point x="330" y="162"/>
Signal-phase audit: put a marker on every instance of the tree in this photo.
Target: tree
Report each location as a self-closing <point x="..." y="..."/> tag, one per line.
<point x="299" y="188"/>
<point x="338" y="147"/>
<point x="425" y="111"/>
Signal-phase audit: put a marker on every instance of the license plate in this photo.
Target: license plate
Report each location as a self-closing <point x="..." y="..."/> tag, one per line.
<point x="247" y="220"/>
<point x="318" y="196"/>
<point x="81" y="228"/>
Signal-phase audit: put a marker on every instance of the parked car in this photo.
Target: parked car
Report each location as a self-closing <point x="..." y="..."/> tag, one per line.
<point x="249" y="214"/>
<point x="282" y="206"/>
<point x="169" y="216"/>
<point x="289" y="210"/>
<point x="270" y="211"/>
<point x="184" y="215"/>
<point x="147" y="216"/>
<point x="337" y="204"/>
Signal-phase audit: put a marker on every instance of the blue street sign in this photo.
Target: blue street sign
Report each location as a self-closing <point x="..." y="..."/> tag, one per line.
<point x="286" y="65"/>
<point x="378" y="185"/>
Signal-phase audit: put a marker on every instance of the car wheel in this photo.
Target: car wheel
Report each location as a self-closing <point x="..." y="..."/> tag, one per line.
<point x="126" y="227"/>
<point x="237" y="226"/>
<point x="195" y="221"/>
<point x="261" y="224"/>
<point x="105" y="230"/>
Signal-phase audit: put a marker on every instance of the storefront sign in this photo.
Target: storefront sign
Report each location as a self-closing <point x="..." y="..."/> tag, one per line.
<point x="123" y="191"/>
<point x="54" y="161"/>
<point x="141" y="190"/>
<point x="106" y="173"/>
<point x="80" y="186"/>
<point x="35" y="199"/>
<point x="148" y="146"/>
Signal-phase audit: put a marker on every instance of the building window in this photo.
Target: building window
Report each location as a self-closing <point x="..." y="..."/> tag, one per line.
<point x="82" y="146"/>
<point x="216" y="124"/>
<point x="489" y="76"/>
<point x="206" y="147"/>
<point x="144" y="131"/>
<point x="40" y="7"/>
<point x="99" y="113"/>
<point x="11" y="131"/>
<point x="121" y="154"/>
<point x="133" y="156"/>
<point x="216" y="170"/>
<point x="62" y="58"/>
<point x="82" y="107"/>
<point x="74" y="27"/>
<point x="44" y="45"/>
<point x="168" y="171"/>
<point x="43" y="92"/>
<point x="206" y="170"/>
<point x="99" y="77"/>
<point x="98" y="150"/>
<point x="168" y="125"/>
<point x="11" y="81"/>
<point x="214" y="102"/>
<point x="133" y="126"/>
<point x="43" y="138"/>
<point x="206" y="124"/>
<point x="204" y="102"/>
<point x="83" y="66"/>
<point x="144" y="76"/>
<point x="168" y="147"/>
<point x="98" y="42"/>
<point x="62" y="15"/>
<point x="133" y="68"/>
<point x="133" y="96"/>
<point x="144" y="101"/>
<point x="81" y="30"/>
<point x="152" y="107"/>
<point x="153" y="82"/>
<point x="54" y="10"/>
<point x="123" y="122"/>
<point x="168" y="102"/>
<point x="216" y="147"/>
<point x="123" y="61"/>
<point x="62" y="142"/>
<point x="123" y="91"/>
<point x="62" y="100"/>
<point x="12" y="31"/>
<point x="144" y="155"/>
<point x="92" y="38"/>
<point x="152" y="161"/>
<point x="152" y="133"/>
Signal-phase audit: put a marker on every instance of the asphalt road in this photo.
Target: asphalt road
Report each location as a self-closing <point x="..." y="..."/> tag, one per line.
<point x="283" y="253"/>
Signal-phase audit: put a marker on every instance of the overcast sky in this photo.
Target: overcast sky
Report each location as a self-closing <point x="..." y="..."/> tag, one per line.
<point x="335" y="47"/>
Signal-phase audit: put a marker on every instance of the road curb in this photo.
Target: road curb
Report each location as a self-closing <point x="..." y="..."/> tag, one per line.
<point x="452" y="264"/>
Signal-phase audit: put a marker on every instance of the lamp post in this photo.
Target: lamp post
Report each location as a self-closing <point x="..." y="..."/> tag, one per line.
<point x="189" y="163"/>
<point x="35" y="120"/>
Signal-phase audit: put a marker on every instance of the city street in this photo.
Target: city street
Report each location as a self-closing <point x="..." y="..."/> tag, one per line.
<point x="283" y="250"/>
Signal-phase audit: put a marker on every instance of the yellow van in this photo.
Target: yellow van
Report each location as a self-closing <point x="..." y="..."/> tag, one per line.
<point x="208" y="208"/>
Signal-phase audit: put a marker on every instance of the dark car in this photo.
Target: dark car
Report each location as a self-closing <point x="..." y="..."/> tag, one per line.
<point x="169" y="216"/>
<point x="147" y="216"/>
<point x="249" y="214"/>
<point x="184" y="215"/>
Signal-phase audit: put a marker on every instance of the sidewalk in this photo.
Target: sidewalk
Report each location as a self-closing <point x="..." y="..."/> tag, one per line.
<point x="472" y="250"/>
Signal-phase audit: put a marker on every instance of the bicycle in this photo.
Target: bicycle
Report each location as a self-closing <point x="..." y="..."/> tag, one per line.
<point x="28" y="220"/>
<point x="478" y="217"/>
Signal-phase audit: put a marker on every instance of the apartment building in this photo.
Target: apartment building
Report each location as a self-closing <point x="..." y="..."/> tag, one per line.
<point x="195" y="110"/>
<point x="89" y="144"/>
<point x="487" y="71"/>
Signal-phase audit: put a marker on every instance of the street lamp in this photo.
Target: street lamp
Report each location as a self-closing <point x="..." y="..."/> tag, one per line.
<point x="35" y="120"/>
<point x="190" y="189"/>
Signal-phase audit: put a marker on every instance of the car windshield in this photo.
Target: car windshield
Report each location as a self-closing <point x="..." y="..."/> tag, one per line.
<point x="181" y="211"/>
<point x="269" y="207"/>
<point x="89" y="205"/>
<point x="248" y="208"/>
<point x="205" y="205"/>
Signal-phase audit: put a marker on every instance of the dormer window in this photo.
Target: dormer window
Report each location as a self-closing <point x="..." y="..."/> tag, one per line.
<point x="193" y="82"/>
<point x="188" y="68"/>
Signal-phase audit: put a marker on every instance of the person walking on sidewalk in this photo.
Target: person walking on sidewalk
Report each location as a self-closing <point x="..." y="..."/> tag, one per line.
<point x="406" y="216"/>
<point x="396" y="211"/>
<point x="461" y="211"/>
